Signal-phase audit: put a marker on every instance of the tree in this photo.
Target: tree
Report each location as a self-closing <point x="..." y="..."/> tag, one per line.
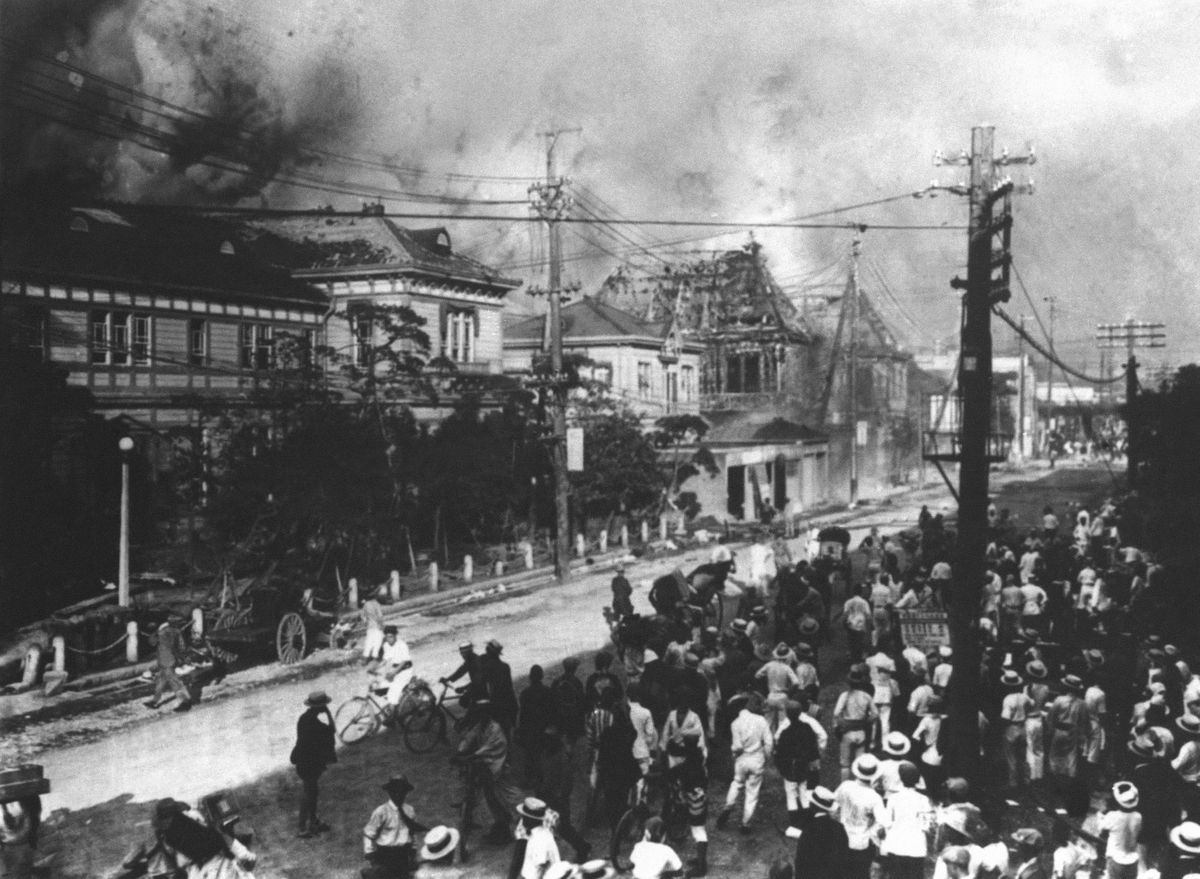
<point x="674" y="432"/>
<point x="621" y="471"/>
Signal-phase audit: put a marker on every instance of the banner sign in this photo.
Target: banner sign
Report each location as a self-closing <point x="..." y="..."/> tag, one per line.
<point x="925" y="629"/>
<point x="575" y="449"/>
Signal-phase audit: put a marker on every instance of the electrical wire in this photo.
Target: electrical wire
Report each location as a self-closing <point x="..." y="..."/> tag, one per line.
<point x="1046" y="352"/>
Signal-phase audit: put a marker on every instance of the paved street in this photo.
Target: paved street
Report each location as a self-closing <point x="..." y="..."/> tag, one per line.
<point x="242" y="742"/>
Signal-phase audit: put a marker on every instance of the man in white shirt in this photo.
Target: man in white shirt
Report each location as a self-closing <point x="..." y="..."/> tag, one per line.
<point x="907" y="817"/>
<point x="762" y="562"/>
<point x="387" y="838"/>
<point x="395" y="665"/>
<point x="645" y="745"/>
<point x="652" y="858"/>
<point x="751" y="744"/>
<point x="1033" y="602"/>
<point x="856" y="617"/>
<point x="861" y="811"/>
<point x="780" y="679"/>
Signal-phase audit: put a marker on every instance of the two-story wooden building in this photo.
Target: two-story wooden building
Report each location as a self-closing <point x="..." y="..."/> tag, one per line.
<point x="644" y="364"/>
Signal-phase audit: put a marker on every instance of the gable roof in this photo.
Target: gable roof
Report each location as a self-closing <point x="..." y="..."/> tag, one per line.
<point x="585" y="319"/>
<point x="321" y="245"/>
<point x="115" y="246"/>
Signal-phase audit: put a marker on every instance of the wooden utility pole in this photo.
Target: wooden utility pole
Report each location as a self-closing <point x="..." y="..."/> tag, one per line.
<point x="852" y="366"/>
<point x="552" y="204"/>
<point x="982" y="290"/>
<point x="1129" y="335"/>
<point x="1021" y="446"/>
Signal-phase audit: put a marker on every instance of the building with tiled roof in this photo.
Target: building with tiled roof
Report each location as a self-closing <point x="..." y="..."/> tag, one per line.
<point x="642" y="363"/>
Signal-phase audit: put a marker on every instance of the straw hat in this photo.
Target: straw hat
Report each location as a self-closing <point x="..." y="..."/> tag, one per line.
<point x="439" y="842"/>
<point x="1189" y="724"/>
<point x="317" y="698"/>
<point x="822" y="798"/>
<point x="1073" y="683"/>
<point x="560" y="870"/>
<point x="782" y="651"/>
<point x="1036" y="670"/>
<point x="1011" y="679"/>
<point x="597" y="869"/>
<point x="896" y="744"/>
<point x="1029" y="838"/>
<point x="866" y="767"/>
<point x="532" y="808"/>
<point x="1186" y="837"/>
<point x="1126" y="794"/>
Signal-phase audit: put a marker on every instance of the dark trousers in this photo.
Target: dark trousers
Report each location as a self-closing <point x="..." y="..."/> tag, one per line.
<point x="858" y="862"/>
<point x="167" y="679"/>
<point x="389" y="862"/>
<point x="308" y="800"/>
<point x="901" y="867"/>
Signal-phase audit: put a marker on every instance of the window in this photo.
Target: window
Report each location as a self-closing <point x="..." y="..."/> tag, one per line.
<point x="459" y="329"/>
<point x="363" y="330"/>
<point x="256" y="343"/>
<point x="742" y="375"/>
<point x="198" y="342"/>
<point x="643" y="379"/>
<point x="672" y="382"/>
<point x="24" y="327"/>
<point x="120" y="338"/>
<point x="687" y="383"/>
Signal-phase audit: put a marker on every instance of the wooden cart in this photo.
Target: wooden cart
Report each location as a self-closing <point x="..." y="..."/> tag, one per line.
<point x="273" y="617"/>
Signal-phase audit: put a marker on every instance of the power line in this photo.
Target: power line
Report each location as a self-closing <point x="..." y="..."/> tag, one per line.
<point x="1045" y="352"/>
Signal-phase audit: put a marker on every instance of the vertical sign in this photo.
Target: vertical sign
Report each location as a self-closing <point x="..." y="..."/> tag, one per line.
<point x="575" y="449"/>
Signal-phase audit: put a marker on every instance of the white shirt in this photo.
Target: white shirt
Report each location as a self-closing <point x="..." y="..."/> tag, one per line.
<point x="651" y="859"/>
<point x="1016" y="707"/>
<point x="720" y="554"/>
<point x="395" y="654"/>
<point x="750" y="734"/>
<point x="647" y="736"/>
<point x="907" y="815"/>
<point x="1033" y="598"/>
<point x="540" y="852"/>
<point x="386" y="828"/>
<point x="1122" y="829"/>
<point x="860" y="810"/>
<point x="941" y="675"/>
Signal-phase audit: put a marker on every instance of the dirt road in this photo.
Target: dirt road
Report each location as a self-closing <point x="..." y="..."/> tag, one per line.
<point x="102" y="790"/>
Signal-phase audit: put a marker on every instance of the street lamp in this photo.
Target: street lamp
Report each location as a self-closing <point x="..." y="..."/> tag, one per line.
<point x="125" y="444"/>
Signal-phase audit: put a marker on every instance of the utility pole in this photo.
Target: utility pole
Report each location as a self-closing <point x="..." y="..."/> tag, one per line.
<point x="1021" y="447"/>
<point x="982" y="290"/>
<point x="1129" y="335"/>
<point x="552" y="203"/>
<point x="1053" y="300"/>
<point x="852" y="367"/>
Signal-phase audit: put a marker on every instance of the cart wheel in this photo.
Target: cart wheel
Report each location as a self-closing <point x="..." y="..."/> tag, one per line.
<point x="424" y="728"/>
<point x="291" y="639"/>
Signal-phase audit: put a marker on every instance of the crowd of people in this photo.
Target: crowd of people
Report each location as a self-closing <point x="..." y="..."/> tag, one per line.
<point x="1089" y="721"/>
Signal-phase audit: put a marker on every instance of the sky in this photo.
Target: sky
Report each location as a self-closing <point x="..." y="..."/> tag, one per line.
<point x="687" y="109"/>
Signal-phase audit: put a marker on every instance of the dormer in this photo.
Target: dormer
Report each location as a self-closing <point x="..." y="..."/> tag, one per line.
<point x="227" y="248"/>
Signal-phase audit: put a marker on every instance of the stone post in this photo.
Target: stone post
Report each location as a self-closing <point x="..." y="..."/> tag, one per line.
<point x="131" y="642"/>
<point x="468" y="568"/>
<point x="433" y="577"/>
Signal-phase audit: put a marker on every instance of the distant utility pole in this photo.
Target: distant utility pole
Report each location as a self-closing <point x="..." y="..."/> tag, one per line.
<point x="984" y="288"/>
<point x="1053" y="300"/>
<point x="1130" y="335"/>
<point x="1022" y="449"/>
<point x="852" y="366"/>
<point x="552" y="204"/>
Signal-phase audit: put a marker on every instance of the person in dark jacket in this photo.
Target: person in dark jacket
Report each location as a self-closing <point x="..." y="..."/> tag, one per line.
<point x="168" y="655"/>
<point x="1159" y="793"/>
<point x="570" y="706"/>
<point x="616" y="769"/>
<point x="668" y="592"/>
<point x="823" y="850"/>
<point x="312" y="754"/>
<point x="622" y="592"/>
<point x="796" y="753"/>
<point x="498" y="686"/>
<point x="602" y="679"/>
<point x="535" y="715"/>
<point x="471" y="669"/>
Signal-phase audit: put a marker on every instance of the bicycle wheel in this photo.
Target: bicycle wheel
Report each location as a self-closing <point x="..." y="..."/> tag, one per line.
<point x="355" y="719"/>
<point x="424" y="728"/>
<point x="629" y="833"/>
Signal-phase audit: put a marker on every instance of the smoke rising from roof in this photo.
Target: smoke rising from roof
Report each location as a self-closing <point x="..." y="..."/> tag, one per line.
<point x="701" y="109"/>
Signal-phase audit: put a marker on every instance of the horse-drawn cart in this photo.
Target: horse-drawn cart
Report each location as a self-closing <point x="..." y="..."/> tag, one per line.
<point x="272" y="617"/>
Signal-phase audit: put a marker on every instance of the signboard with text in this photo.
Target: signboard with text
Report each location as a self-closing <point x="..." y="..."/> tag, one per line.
<point x="575" y="449"/>
<point x="925" y="629"/>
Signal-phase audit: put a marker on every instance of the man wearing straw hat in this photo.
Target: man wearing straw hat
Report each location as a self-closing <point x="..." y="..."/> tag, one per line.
<point x="1014" y="710"/>
<point x="1123" y="826"/>
<point x="823" y="849"/>
<point x="861" y="811"/>
<point x="438" y="852"/>
<point x="1068" y="723"/>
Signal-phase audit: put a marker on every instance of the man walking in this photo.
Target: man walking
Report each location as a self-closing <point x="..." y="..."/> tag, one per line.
<point x="751" y="744"/>
<point x="311" y="755"/>
<point x="169" y="654"/>
<point x="372" y="615"/>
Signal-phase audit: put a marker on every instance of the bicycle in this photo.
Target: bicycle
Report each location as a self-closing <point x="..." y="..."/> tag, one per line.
<point x="652" y="796"/>
<point x="425" y="726"/>
<point x="360" y="716"/>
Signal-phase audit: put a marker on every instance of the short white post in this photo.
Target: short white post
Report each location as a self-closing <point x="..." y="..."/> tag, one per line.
<point x="580" y="546"/>
<point x="662" y="529"/>
<point x="604" y="540"/>
<point x="394" y="590"/>
<point x="468" y="568"/>
<point x="500" y="563"/>
<point x="131" y="641"/>
<point x="352" y="593"/>
<point x="528" y="558"/>
<point x="60" y="653"/>
<point x="624" y="537"/>
<point x="33" y="664"/>
<point x="645" y="531"/>
<point x="433" y="577"/>
<point x="197" y="623"/>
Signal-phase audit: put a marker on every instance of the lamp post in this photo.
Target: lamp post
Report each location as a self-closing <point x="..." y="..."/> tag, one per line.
<point x="126" y="446"/>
